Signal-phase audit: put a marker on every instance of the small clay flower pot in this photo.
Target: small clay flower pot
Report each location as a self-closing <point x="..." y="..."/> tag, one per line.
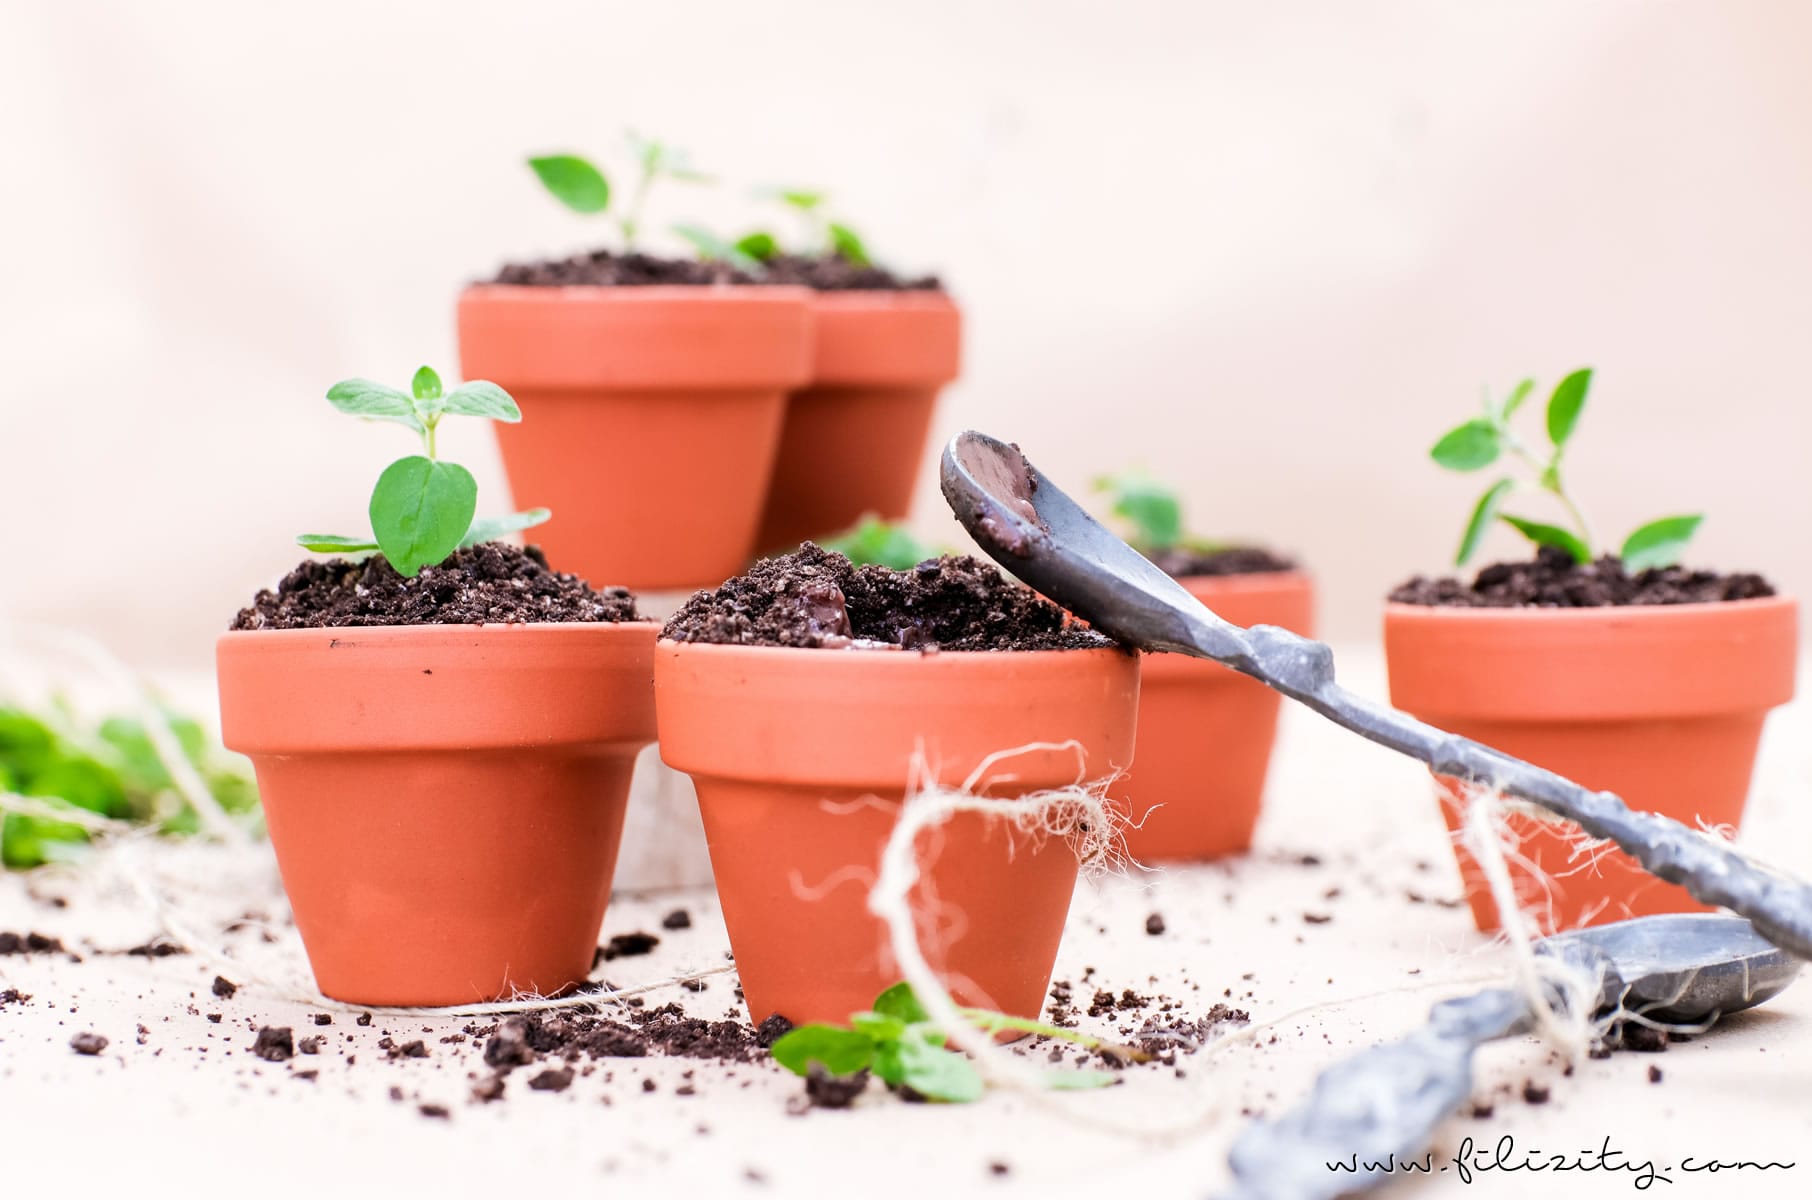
<point x="801" y="760"/>
<point x="445" y="801"/>
<point x="652" y="417"/>
<point x="1205" y="732"/>
<point x="855" y="436"/>
<point x="1662" y="705"/>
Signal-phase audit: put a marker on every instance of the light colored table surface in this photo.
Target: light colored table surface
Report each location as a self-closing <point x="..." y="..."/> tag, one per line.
<point x="186" y="1110"/>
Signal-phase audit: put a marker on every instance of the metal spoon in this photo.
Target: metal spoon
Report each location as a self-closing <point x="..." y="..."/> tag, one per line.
<point x="1042" y="536"/>
<point x="1378" y="1110"/>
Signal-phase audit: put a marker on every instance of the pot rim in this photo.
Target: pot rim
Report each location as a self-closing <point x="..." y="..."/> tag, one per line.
<point x="592" y="293"/>
<point x="1250" y="581"/>
<point x="972" y="658"/>
<point x="1610" y="614"/>
<point x="426" y="632"/>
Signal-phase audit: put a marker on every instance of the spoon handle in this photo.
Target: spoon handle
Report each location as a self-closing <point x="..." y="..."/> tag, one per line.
<point x="1370" y="1117"/>
<point x="1713" y="871"/>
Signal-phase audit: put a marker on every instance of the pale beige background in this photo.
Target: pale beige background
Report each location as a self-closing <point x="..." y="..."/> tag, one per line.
<point x="1267" y="251"/>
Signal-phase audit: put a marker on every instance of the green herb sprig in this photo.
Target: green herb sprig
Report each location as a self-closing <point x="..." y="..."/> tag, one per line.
<point x="882" y="543"/>
<point x="823" y="236"/>
<point x="1151" y="514"/>
<point x="112" y="770"/>
<point x="899" y="1042"/>
<point x="582" y="186"/>
<point x="1484" y="440"/>
<point x="422" y="508"/>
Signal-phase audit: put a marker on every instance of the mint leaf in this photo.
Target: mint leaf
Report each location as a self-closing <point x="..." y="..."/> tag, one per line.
<point x="426" y="384"/>
<point x="1565" y="405"/>
<point x="333" y="543"/>
<point x="1659" y="543"/>
<point x="847" y="245"/>
<point x="760" y="245"/>
<point x="420" y="510"/>
<point x="839" y="1051"/>
<point x="482" y="398"/>
<point x="1550" y="535"/>
<point x="934" y="1073"/>
<point x="363" y="398"/>
<point x="1482" y="516"/>
<point x="488" y="529"/>
<point x="882" y="543"/>
<point x="902" y="1002"/>
<point x="713" y="248"/>
<point x="573" y="181"/>
<point x="1469" y="447"/>
<point x="1515" y="399"/>
<point x="1153" y="510"/>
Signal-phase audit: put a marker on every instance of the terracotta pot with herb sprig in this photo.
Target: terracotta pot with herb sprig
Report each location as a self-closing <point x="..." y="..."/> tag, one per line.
<point x="884" y="346"/>
<point x="1625" y="672"/>
<point x="1205" y="732"/>
<point x="807" y="698"/>
<point x="647" y="380"/>
<point x="443" y="730"/>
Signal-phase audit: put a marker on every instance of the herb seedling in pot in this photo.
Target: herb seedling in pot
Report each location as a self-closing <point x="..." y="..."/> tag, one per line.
<point x="903" y="1047"/>
<point x="882" y="543"/>
<point x="1489" y="438"/>
<point x="823" y="238"/>
<point x="422" y="508"/>
<point x="1205" y="734"/>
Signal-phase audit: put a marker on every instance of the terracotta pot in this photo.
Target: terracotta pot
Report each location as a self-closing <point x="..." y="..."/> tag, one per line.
<point x="445" y="801"/>
<point x="1205" y="732"/>
<point x="1661" y="705"/>
<point x="651" y="416"/>
<point x="801" y="759"/>
<point x="855" y="437"/>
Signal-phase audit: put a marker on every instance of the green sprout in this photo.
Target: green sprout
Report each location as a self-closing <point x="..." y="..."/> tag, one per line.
<point x="422" y="508"/>
<point x="881" y="543"/>
<point x="1482" y="441"/>
<point x="1151" y="514"/>
<point x="50" y="760"/>
<point x="900" y="1043"/>
<point x="582" y="186"/>
<point x="823" y="236"/>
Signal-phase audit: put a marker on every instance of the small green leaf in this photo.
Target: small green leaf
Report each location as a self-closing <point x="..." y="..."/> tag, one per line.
<point x="882" y="543"/>
<point x="489" y="529"/>
<point x="426" y="384"/>
<point x="1482" y="516"/>
<point x="878" y="1027"/>
<point x="1550" y="535"/>
<point x="333" y="543"/>
<point x="1565" y="405"/>
<point x="1659" y="543"/>
<point x="573" y="181"/>
<point x="1153" y="510"/>
<point x="1079" y="1081"/>
<point x="482" y="398"/>
<point x="839" y="1051"/>
<point x="363" y="398"/>
<point x="760" y="245"/>
<point x="800" y="198"/>
<point x="847" y="245"/>
<point x="420" y="510"/>
<point x="711" y="247"/>
<point x="934" y="1073"/>
<point x="1469" y="447"/>
<point x="902" y="1002"/>
<point x="1515" y="399"/>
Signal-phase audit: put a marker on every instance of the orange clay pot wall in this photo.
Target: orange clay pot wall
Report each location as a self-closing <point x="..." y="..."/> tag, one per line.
<point x="445" y="801"/>
<point x="1661" y="705"/>
<point x="1205" y="732"/>
<point x="651" y="417"/>
<point x="855" y="438"/>
<point x="801" y="760"/>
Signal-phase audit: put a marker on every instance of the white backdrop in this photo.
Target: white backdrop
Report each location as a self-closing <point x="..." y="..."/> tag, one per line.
<point x="1267" y="251"/>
